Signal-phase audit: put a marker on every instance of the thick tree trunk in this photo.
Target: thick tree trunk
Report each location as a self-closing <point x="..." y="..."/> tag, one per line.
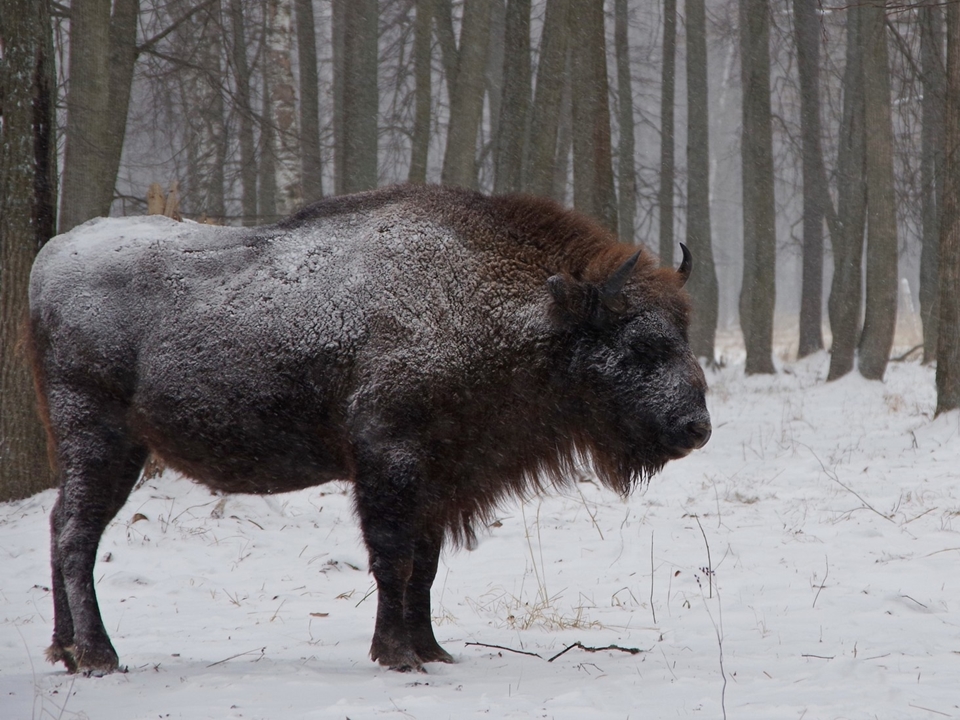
<point x="360" y="96"/>
<point x="420" y="144"/>
<point x="88" y="106"/>
<point x="248" y="163"/>
<point x="880" y="316"/>
<point x="310" y="159"/>
<point x="758" y="292"/>
<point x="846" y="289"/>
<point x="667" y="153"/>
<point x="807" y="34"/>
<point x="337" y="29"/>
<point x="447" y="39"/>
<point x="267" y="169"/>
<point x="626" y="171"/>
<point x="28" y="201"/>
<point x="931" y="167"/>
<point x="703" y="280"/>
<point x="561" y="163"/>
<point x="548" y="95"/>
<point x="593" y="188"/>
<point x="466" y="101"/>
<point x="516" y="98"/>
<point x="948" y="345"/>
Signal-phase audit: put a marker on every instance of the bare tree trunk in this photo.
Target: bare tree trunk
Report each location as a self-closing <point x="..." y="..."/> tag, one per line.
<point x="626" y="172"/>
<point x="593" y="188"/>
<point x="667" y="153"/>
<point x="28" y="201"/>
<point x="466" y="101"/>
<point x="931" y="167"/>
<point x="88" y="104"/>
<point x="542" y="141"/>
<point x="880" y="316"/>
<point x="420" y="144"/>
<point x="338" y="21"/>
<point x="807" y="33"/>
<point x="123" y="58"/>
<point x="248" y="163"/>
<point x="758" y="292"/>
<point x="948" y="345"/>
<point x="516" y="98"/>
<point x="283" y="105"/>
<point x="493" y="79"/>
<point x="267" y="169"/>
<point x="561" y="163"/>
<point x="449" y="55"/>
<point x="703" y="280"/>
<point x="310" y="159"/>
<point x="360" y="95"/>
<point x="845" y="293"/>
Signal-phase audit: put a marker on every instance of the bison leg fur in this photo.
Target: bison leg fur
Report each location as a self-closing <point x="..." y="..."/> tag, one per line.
<point x="99" y="466"/>
<point x="417" y="599"/>
<point x="388" y="484"/>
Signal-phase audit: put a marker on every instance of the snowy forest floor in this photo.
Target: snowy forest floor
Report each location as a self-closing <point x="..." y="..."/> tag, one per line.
<point x="803" y="565"/>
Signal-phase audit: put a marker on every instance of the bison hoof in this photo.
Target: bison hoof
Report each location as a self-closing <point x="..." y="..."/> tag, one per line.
<point x="396" y="658"/>
<point x="434" y="654"/>
<point x="95" y="662"/>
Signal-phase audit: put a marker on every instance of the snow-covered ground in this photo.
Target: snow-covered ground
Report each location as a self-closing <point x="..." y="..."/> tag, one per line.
<point x="805" y="564"/>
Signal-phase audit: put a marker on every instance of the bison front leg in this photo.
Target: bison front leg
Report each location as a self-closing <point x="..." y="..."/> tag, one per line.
<point x="388" y="489"/>
<point x="417" y="602"/>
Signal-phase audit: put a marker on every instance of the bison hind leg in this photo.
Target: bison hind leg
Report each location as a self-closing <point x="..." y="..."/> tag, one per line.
<point x="99" y="462"/>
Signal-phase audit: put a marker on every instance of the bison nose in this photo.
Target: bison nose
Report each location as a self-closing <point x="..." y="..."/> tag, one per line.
<point x="699" y="432"/>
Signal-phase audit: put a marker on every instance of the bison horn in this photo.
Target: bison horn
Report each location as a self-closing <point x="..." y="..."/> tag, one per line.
<point x="616" y="282"/>
<point x="686" y="265"/>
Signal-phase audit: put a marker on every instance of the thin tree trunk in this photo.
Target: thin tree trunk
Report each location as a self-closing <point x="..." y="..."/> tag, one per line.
<point x="703" y="280"/>
<point x="626" y="172"/>
<point x="561" y="163"/>
<point x="283" y="115"/>
<point x="593" y="188"/>
<point x="338" y="49"/>
<point x="310" y="159"/>
<point x="28" y="201"/>
<point x="845" y="292"/>
<point x="516" y="98"/>
<point x="667" y="153"/>
<point x="808" y="66"/>
<point x="880" y="316"/>
<point x="267" y="170"/>
<point x="88" y="104"/>
<point x="466" y="101"/>
<point x="542" y="141"/>
<point x="449" y="55"/>
<point x="931" y="166"/>
<point x="420" y="144"/>
<point x="360" y="96"/>
<point x="123" y="58"/>
<point x="248" y="163"/>
<point x="758" y="292"/>
<point x="948" y="345"/>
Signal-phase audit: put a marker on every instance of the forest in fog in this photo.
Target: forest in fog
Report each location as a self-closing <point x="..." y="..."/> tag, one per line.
<point x="799" y="148"/>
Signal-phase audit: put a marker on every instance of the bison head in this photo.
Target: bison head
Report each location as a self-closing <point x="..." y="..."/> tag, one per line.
<point x="635" y="387"/>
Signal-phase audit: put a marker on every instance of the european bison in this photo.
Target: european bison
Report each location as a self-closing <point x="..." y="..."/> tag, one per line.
<point x="440" y="349"/>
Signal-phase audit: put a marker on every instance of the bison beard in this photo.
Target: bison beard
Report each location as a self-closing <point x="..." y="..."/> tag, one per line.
<point x="440" y="349"/>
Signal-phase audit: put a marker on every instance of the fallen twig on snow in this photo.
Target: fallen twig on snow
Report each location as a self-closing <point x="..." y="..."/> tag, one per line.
<point x="632" y="651"/>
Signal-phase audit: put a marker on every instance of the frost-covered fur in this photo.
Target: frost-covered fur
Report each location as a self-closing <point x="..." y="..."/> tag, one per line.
<point x="439" y="348"/>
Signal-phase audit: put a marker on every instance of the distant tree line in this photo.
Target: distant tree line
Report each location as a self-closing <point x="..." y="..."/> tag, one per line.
<point x="849" y="116"/>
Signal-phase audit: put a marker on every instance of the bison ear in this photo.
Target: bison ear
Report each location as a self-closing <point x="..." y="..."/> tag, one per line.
<point x="579" y="302"/>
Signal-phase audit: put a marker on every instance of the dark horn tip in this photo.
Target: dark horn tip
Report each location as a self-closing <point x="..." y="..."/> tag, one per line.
<point x="686" y="265"/>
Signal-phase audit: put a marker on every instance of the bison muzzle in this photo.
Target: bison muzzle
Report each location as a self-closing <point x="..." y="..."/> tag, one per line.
<point x="440" y="349"/>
